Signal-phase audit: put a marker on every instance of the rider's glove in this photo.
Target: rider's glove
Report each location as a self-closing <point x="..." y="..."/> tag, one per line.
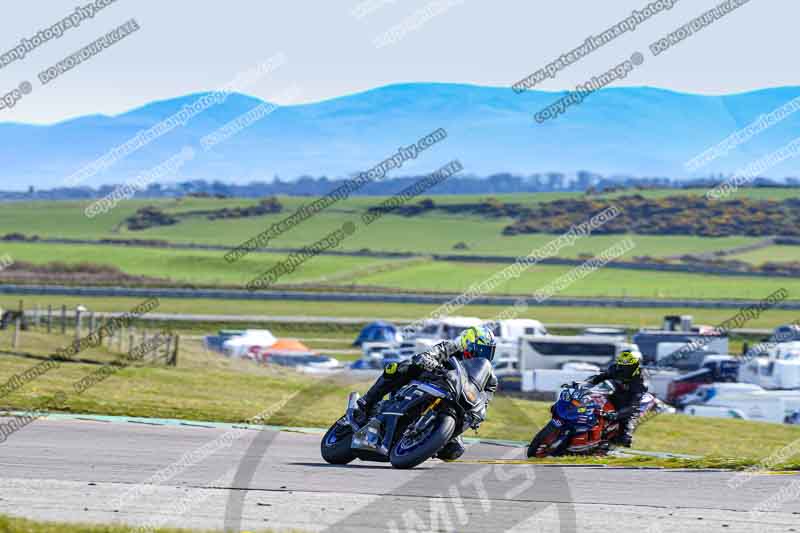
<point x="425" y="361"/>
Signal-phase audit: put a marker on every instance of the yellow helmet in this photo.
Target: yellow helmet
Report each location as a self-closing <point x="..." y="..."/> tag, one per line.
<point x="477" y="341"/>
<point x="628" y="364"/>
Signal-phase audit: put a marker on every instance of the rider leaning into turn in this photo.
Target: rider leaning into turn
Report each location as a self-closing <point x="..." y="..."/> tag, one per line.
<point x="629" y="387"/>
<point x="473" y="342"/>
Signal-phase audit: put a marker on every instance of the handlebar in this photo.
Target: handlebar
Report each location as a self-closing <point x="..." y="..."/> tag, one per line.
<point x="575" y="385"/>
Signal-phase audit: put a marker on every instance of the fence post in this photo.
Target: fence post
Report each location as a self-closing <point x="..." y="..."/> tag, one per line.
<point x="49" y="318"/>
<point x="37" y="316"/>
<point x="77" y="324"/>
<point x="17" y="326"/>
<point x="120" y="339"/>
<point x="167" y="346"/>
<point x="63" y="319"/>
<point x="131" y="340"/>
<point x="174" y="360"/>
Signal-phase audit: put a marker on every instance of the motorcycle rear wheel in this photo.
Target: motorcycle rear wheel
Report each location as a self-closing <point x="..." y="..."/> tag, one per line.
<point x="335" y="445"/>
<point x="408" y="453"/>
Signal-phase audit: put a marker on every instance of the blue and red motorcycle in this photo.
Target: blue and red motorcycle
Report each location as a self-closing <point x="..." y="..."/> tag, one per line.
<point x="583" y="422"/>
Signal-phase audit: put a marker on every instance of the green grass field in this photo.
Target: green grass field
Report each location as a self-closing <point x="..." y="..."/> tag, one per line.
<point x="431" y="233"/>
<point x="427" y="234"/>
<point x="779" y="254"/>
<point x="368" y="311"/>
<point x="210" y="268"/>
<point x="455" y="277"/>
<point x="186" y="266"/>
<point x="744" y="193"/>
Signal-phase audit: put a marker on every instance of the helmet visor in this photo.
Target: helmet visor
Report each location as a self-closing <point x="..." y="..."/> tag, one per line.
<point x="627" y="372"/>
<point x="483" y="350"/>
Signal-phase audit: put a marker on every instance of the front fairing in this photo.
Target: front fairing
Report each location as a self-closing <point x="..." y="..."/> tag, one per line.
<point x="412" y="395"/>
<point x="472" y="401"/>
<point x="576" y="410"/>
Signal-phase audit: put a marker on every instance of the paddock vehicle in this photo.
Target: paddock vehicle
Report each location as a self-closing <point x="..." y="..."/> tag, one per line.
<point x="436" y="330"/>
<point x="554" y="351"/>
<point x="246" y="344"/>
<point x="415" y="422"/>
<point x="584" y="422"/>
<point x="508" y="333"/>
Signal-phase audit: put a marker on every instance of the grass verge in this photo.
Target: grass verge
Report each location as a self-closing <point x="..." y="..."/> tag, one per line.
<point x="9" y="524"/>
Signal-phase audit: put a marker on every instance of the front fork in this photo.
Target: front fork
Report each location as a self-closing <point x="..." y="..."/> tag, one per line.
<point x="562" y="439"/>
<point x="425" y="419"/>
<point x="352" y="405"/>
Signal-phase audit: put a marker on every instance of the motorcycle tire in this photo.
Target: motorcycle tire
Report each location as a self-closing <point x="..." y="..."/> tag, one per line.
<point x="540" y="438"/>
<point x="408" y="454"/>
<point x="335" y="445"/>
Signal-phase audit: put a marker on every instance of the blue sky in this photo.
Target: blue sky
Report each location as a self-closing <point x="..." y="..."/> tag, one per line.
<point x="186" y="46"/>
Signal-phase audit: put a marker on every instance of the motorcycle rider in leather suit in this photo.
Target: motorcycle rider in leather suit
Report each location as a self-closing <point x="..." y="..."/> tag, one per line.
<point x="629" y="387"/>
<point x="473" y="342"/>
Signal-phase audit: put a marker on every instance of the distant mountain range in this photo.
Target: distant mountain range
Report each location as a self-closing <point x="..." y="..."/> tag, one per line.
<point x="624" y="131"/>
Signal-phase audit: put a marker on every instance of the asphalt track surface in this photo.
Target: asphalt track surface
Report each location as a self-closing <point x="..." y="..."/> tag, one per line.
<point x="94" y="471"/>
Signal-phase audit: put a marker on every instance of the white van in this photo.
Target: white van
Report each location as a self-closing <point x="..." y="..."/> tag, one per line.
<point x="508" y="334"/>
<point x="447" y="328"/>
<point x="554" y="351"/>
<point x="737" y="400"/>
<point x="780" y="369"/>
<point x="514" y="328"/>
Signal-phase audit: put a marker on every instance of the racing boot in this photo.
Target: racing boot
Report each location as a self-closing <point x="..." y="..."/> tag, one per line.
<point x="452" y="450"/>
<point x="365" y="404"/>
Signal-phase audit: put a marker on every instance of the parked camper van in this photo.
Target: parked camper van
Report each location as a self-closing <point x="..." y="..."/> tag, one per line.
<point x="555" y="351"/>
<point x="508" y="334"/>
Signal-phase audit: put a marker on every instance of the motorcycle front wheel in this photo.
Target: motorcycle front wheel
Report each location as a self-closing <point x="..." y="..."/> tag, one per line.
<point x="335" y="445"/>
<point x="546" y="436"/>
<point x="411" y="451"/>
